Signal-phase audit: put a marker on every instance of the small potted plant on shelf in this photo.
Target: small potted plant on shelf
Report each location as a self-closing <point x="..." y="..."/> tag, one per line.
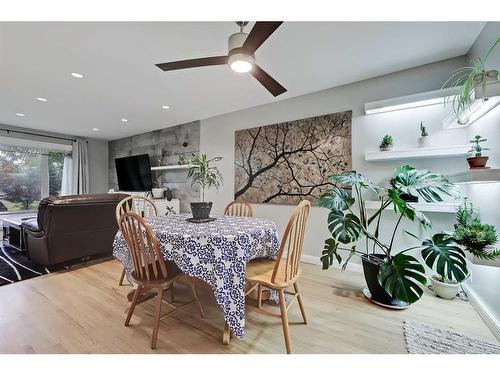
<point x="202" y="173"/>
<point x="478" y="160"/>
<point x="467" y="80"/>
<point x="387" y="143"/>
<point x="394" y="278"/>
<point x="158" y="190"/>
<point x="423" y="140"/>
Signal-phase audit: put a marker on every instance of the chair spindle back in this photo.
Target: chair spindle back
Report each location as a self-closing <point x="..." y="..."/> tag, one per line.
<point x="142" y="206"/>
<point x="143" y="247"/>
<point x="239" y="208"/>
<point x="292" y="243"/>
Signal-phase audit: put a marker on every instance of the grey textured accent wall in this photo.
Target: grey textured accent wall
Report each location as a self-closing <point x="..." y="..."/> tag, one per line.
<point x="164" y="147"/>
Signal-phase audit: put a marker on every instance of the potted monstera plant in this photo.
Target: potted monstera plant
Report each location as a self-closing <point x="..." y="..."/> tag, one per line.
<point x="203" y="173"/>
<point x="394" y="277"/>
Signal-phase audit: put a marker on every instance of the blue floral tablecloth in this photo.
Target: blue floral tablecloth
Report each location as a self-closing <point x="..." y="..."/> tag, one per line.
<point x="216" y="252"/>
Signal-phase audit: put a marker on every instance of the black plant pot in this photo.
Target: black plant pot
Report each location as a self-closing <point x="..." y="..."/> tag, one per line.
<point x="201" y="210"/>
<point x="409" y="198"/>
<point x="377" y="293"/>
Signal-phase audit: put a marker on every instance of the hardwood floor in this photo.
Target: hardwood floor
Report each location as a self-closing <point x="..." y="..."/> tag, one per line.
<point x="83" y="311"/>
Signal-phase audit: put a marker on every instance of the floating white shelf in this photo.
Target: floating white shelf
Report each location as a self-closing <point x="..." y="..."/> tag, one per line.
<point x="444" y="207"/>
<point x="418" y="153"/>
<point x="170" y="167"/>
<point x="476" y="176"/>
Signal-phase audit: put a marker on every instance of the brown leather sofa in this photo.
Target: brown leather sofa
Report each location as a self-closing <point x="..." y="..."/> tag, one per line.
<point x="72" y="227"/>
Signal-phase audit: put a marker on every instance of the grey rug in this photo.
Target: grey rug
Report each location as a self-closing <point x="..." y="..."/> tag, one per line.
<point x="423" y="339"/>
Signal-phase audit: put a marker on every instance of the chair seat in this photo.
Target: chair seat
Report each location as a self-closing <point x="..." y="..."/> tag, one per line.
<point x="155" y="281"/>
<point x="261" y="270"/>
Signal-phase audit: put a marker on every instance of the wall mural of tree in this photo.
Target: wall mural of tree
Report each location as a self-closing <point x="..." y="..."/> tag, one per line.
<point x="286" y="162"/>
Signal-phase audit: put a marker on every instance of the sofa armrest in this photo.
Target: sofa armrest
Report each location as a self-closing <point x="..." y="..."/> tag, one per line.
<point x="31" y="228"/>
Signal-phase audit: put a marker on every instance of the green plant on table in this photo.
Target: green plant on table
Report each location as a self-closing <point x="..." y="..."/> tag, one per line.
<point x="466" y="80"/>
<point x="202" y="173"/>
<point x="473" y="235"/>
<point x="356" y="231"/>
<point x="386" y="141"/>
<point x="476" y="147"/>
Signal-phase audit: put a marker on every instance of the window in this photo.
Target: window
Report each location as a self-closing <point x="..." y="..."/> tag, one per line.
<point x="27" y="175"/>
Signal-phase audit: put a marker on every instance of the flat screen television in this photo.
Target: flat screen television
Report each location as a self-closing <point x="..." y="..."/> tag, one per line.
<point x="134" y="173"/>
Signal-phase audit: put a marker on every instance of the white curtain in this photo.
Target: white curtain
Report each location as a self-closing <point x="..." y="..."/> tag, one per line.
<point x="80" y="170"/>
<point x="67" y="176"/>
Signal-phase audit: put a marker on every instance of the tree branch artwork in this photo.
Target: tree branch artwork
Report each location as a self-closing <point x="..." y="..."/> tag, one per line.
<point x="286" y="162"/>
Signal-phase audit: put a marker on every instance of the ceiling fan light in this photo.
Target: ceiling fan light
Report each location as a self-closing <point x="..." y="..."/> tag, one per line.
<point x="241" y="62"/>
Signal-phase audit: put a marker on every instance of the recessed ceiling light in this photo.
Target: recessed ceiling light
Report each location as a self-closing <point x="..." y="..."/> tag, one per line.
<point x="20" y="114"/>
<point x="124" y="120"/>
<point x="95" y="129"/>
<point x="77" y="75"/>
<point x="42" y="99"/>
<point x="165" y="106"/>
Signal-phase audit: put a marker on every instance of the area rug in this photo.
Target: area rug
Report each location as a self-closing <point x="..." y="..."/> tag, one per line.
<point x="15" y="266"/>
<point x="423" y="339"/>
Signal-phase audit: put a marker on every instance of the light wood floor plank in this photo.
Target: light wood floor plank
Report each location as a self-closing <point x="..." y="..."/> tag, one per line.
<point x="83" y="311"/>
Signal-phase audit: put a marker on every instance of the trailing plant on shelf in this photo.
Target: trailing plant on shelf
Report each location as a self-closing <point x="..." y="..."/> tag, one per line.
<point x="203" y="173"/>
<point x="468" y="79"/>
<point x="386" y="143"/>
<point x="397" y="276"/>
<point x="478" y="160"/>
<point x="477" y="238"/>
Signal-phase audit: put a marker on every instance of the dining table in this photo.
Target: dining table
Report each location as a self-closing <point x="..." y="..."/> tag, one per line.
<point x="216" y="252"/>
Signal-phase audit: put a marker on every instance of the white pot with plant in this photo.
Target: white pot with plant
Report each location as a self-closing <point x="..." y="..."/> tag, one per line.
<point x="202" y="173"/>
<point x="387" y="143"/>
<point x="423" y="141"/>
<point x="472" y="236"/>
<point x="443" y="287"/>
<point x="158" y="190"/>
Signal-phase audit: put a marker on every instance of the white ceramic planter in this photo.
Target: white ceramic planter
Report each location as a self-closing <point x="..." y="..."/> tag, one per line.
<point x="157" y="193"/>
<point x="385" y="148"/>
<point x="423" y="142"/>
<point x="444" y="290"/>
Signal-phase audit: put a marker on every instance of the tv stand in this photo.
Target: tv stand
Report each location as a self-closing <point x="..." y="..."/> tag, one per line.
<point x="164" y="206"/>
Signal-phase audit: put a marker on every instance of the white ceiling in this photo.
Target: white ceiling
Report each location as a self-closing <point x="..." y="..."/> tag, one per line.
<point x="121" y="81"/>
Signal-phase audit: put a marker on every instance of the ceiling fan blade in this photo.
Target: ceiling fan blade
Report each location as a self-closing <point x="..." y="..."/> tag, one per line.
<point x="258" y="35"/>
<point x="267" y="81"/>
<point x="193" y="63"/>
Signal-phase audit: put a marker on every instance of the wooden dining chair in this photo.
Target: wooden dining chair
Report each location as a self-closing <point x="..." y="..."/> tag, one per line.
<point x="239" y="208"/>
<point x="138" y="204"/>
<point x="282" y="273"/>
<point x="150" y="269"/>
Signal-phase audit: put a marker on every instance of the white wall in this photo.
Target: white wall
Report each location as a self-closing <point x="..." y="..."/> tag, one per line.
<point x="217" y="137"/>
<point x="486" y="197"/>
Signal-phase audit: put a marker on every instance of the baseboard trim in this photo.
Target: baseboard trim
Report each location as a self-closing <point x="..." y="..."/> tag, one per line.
<point x="311" y="259"/>
<point x="490" y="320"/>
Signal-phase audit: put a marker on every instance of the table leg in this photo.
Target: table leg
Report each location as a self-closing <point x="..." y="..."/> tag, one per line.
<point x="226" y="335"/>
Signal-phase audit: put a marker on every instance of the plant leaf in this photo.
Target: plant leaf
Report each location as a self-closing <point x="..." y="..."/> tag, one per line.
<point x="344" y="228"/>
<point x="335" y="198"/>
<point x="442" y="254"/>
<point x="430" y="186"/>
<point x="330" y="251"/>
<point x="402" y="276"/>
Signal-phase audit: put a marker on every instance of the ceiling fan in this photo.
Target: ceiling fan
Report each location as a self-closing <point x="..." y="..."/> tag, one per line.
<point x="240" y="57"/>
